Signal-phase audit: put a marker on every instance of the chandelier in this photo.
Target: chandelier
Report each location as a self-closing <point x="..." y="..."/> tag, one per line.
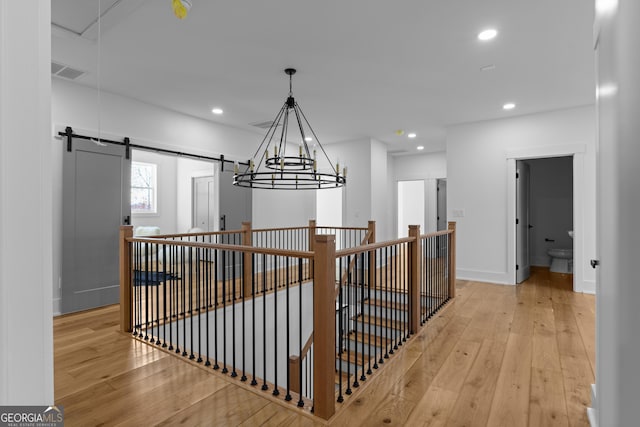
<point x="284" y="159"/>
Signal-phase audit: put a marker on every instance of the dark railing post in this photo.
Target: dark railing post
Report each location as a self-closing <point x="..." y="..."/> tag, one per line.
<point x="372" y="254"/>
<point x="324" y="327"/>
<point x="126" y="321"/>
<point x="452" y="259"/>
<point x="247" y="259"/>
<point x="414" y="279"/>
<point x="312" y="241"/>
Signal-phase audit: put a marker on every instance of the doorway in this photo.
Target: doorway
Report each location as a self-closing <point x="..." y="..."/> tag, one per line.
<point x="410" y="206"/>
<point x="544" y="210"/>
<point x="203" y="199"/>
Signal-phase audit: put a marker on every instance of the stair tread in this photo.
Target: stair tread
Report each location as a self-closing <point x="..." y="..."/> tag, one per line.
<point x="398" y="324"/>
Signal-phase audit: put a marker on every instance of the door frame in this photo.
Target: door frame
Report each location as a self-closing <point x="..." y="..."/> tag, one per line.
<point x="578" y="153"/>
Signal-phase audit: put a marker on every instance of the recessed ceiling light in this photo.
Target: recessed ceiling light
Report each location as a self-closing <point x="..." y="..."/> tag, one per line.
<point x="411" y="135"/>
<point x="607" y="89"/>
<point x="308" y="138"/>
<point x="509" y="106"/>
<point x="606" y="6"/>
<point x="217" y="111"/>
<point x="487" y="34"/>
<point x="420" y="147"/>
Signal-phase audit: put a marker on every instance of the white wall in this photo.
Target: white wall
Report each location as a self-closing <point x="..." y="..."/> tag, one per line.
<point x="428" y="167"/>
<point x="550" y="206"/>
<point x="356" y="156"/>
<point x="283" y="208"/>
<point x="411" y="206"/>
<point x="618" y="293"/>
<point x="382" y="203"/>
<point x="165" y="218"/>
<point x="480" y="157"/>
<point x="118" y="117"/>
<point x="26" y="330"/>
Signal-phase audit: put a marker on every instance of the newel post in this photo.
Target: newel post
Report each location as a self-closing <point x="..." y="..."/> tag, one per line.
<point x="452" y="259"/>
<point x="246" y="258"/>
<point x="324" y="326"/>
<point x="126" y="319"/>
<point x="415" y="264"/>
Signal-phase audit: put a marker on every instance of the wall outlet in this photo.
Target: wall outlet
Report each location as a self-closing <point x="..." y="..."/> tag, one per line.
<point x="458" y="213"/>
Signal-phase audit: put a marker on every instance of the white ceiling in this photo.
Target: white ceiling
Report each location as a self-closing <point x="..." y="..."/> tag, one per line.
<point x="365" y="68"/>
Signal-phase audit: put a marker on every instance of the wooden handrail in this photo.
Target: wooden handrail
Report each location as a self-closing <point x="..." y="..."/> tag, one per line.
<point x="436" y="233"/>
<point x="203" y="233"/>
<point x="372" y="246"/>
<point x="239" y="248"/>
<point x="307" y="347"/>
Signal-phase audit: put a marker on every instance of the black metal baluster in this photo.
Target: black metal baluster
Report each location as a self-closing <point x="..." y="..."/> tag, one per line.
<point x="340" y="331"/>
<point x="216" y="284"/>
<point x="172" y="292"/>
<point x="288" y="395"/>
<point x="253" y="317"/>
<point x="393" y="299"/>
<point x="264" y="323"/>
<point x="300" y="401"/>
<point x="361" y="285"/>
<point x="199" y="279"/>
<point x="244" y="298"/>
<point x="371" y="313"/>
<point x="349" y="320"/>
<point x="276" y="392"/>
<point x="207" y="299"/>
<point x="233" y="314"/>
<point x="224" y="311"/>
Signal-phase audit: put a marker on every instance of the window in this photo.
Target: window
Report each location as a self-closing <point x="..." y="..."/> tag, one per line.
<point x="143" y="188"/>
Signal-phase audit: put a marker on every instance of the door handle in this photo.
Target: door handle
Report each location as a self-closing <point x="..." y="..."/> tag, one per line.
<point x="223" y="223"/>
<point x="594" y="263"/>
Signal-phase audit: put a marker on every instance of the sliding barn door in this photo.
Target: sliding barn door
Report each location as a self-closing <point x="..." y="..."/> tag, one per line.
<point x="96" y="201"/>
<point x="235" y="203"/>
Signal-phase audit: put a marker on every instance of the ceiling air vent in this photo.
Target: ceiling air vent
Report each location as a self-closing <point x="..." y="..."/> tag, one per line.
<point x="263" y="125"/>
<point x="65" y="71"/>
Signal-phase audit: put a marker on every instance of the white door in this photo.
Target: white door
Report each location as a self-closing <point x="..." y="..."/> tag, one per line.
<point x="203" y="203"/>
<point x="523" y="268"/>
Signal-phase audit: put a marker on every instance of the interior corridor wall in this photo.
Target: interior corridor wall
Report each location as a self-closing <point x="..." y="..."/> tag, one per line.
<point x="428" y="167"/>
<point x="118" y="116"/>
<point x="477" y="186"/>
<point x="368" y="192"/>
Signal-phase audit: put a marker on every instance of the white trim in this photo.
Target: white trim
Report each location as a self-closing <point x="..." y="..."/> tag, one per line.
<point x="498" y="278"/>
<point x="578" y="153"/>
<point x="587" y="287"/>
<point x="546" y="151"/>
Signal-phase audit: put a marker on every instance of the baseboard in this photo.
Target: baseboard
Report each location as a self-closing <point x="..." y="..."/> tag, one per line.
<point x="591" y="415"/>
<point x="483" y="276"/>
<point x="588" y="287"/>
<point x="592" y="411"/>
<point x="56" y="307"/>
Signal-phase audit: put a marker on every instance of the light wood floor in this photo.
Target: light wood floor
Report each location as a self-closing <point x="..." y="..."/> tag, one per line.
<point x="496" y="356"/>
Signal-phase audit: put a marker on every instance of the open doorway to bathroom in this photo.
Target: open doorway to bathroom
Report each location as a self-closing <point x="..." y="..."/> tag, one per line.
<point x="544" y="215"/>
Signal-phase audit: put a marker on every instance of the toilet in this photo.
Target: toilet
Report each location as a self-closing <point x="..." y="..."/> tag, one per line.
<point x="561" y="260"/>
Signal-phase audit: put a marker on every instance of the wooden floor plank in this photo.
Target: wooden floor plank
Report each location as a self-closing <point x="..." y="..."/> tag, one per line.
<point x="530" y="358"/>
<point x="474" y="400"/>
<point x="510" y="406"/>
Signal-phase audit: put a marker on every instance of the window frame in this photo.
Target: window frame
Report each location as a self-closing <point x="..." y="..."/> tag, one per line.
<point x="153" y="187"/>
